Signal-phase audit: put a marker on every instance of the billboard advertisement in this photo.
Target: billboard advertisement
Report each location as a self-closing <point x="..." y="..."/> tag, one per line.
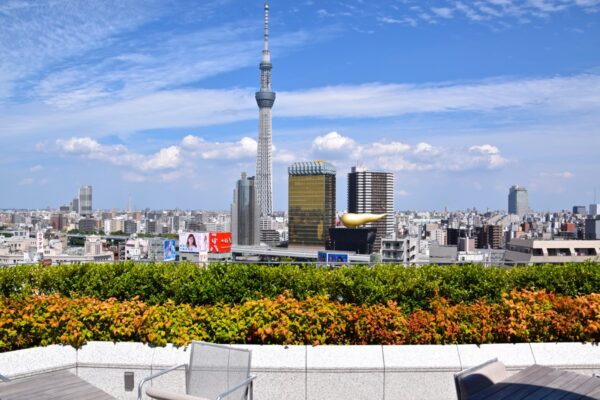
<point x="219" y="242"/>
<point x="337" y="257"/>
<point x="325" y="256"/>
<point x="40" y="241"/>
<point x="193" y="242"/>
<point x="170" y="250"/>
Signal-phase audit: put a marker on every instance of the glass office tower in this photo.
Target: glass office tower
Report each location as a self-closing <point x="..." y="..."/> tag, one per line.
<point x="244" y="213"/>
<point x="311" y="199"/>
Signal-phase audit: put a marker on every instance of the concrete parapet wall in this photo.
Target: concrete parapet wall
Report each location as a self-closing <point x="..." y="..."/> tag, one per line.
<point x="306" y="372"/>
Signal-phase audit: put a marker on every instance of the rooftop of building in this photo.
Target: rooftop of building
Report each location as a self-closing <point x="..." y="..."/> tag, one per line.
<point x="318" y="167"/>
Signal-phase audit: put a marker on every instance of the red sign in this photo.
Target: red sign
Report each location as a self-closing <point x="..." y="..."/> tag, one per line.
<point x="219" y="242"/>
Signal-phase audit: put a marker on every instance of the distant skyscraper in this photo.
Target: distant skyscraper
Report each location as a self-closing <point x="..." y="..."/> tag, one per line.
<point x="265" y="99"/>
<point x="518" y="201"/>
<point x="579" y="210"/>
<point x="373" y="192"/>
<point x="592" y="228"/>
<point x="311" y="199"/>
<point x="594" y="209"/>
<point x="244" y="213"/>
<point x="75" y="205"/>
<point x="85" y="201"/>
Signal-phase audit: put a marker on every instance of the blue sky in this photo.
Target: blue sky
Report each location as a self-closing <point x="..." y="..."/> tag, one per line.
<point x="154" y="99"/>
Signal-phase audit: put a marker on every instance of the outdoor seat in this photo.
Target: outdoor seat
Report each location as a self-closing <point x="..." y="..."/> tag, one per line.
<point x="475" y="379"/>
<point x="214" y="372"/>
<point x="160" y="394"/>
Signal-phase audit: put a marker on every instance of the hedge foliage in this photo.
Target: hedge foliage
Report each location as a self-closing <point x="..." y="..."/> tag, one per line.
<point x="520" y="316"/>
<point x="410" y="287"/>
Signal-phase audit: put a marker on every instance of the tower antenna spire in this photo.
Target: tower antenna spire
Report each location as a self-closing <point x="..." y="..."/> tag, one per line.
<point x="265" y="98"/>
<point x="266" y="26"/>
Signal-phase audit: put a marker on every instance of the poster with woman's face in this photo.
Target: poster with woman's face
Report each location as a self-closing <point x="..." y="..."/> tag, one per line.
<point x="170" y="251"/>
<point x="193" y="242"/>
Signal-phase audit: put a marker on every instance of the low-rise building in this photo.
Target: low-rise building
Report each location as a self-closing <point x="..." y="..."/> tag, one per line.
<point x="401" y="250"/>
<point x="532" y="251"/>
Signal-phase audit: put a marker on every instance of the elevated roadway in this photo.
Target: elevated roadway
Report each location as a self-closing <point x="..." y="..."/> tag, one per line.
<point x="277" y="252"/>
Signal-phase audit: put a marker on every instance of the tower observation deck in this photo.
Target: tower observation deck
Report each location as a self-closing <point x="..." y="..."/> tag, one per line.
<point x="265" y="98"/>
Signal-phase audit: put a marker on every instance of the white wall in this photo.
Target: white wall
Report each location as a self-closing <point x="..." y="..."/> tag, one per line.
<point x="307" y="372"/>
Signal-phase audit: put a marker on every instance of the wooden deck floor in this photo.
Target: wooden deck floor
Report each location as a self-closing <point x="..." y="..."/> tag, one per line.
<point x="538" y="382"/>
<point x="61" y="385"/>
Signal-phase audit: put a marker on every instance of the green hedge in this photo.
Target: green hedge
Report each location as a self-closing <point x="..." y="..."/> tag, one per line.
<point x="410" y="287"/>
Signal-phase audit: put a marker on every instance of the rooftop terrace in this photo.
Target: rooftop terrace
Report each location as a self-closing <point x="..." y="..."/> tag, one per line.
<point x="305" y="372"/>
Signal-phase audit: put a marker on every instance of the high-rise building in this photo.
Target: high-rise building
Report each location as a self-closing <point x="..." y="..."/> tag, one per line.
<point x="85" y="201"/>
<point x="594" y="210"/>
<point x="311" y="202"/>
<point x="57" y="221"/>
<point x="130" y="227"/>
<point x="454" y="234"/>
<point x="580" y="210"/>
<point x="75" y="205"/>
<point x="265" y="98"/>
<point x="373" y="192"/>
<point x="87" y="225"/>
<point x="490" y="237"/>
<point x="245" y="228"/>
<point x="518" y="201"/>
<point x="592" y="228"/>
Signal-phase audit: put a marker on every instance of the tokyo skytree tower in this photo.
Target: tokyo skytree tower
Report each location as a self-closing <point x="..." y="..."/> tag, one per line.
<point x="265" y="99"/>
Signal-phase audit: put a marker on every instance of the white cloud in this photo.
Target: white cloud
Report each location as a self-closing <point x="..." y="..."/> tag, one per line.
<point x="166" y="162"/>
<point x="489" y="154"/>
<point x="284" y="157"/>
<point x="402" y="193"/>
<point x="193" y="108"/>
<point x="561" y="94"/>
<point x="408" y="21"/>
<point x="165" y="158"/>
<point x="333" y="142"/>
<point x="85" y="147"/>
<point x="244" y="148"/>
<point x="397" y="156"/>
<point x="469" y="12"/>
<point x="426" y="149"/>
<point x="492" y="12"/>
<point x="35" y="34"/>
<point x="397" y="164"/>
<point x="485" y="149"/>
<point x="383" y="148"/>
<point x="443" y="12"/>
<point x="36" y="168"/>
<point x="560" y="175"/>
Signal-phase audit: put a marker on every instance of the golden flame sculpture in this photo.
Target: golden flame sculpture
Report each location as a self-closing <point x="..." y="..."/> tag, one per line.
<point x="355" y="220"/>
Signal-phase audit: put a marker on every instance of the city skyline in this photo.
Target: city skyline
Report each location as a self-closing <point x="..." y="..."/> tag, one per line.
<point x="170" y="92"/>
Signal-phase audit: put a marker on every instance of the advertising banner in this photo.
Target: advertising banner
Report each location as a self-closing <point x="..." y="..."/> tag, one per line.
<point x="40" y="241"/>
<point x="337" y="257"/>
<point x="321" y="256"/>
<point x="193" y="242"/>
<point x="325" y="256"/>
<point x="219" y="242"/>
<point x="170" y="250"/>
